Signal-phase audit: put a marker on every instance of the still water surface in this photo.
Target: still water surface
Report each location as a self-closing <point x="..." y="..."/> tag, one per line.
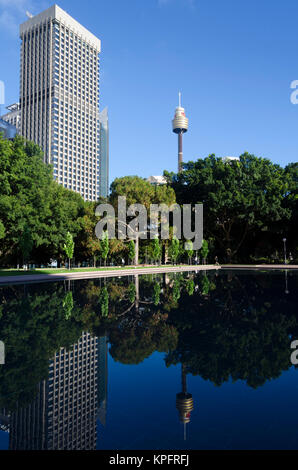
<point x="178" y="361"/>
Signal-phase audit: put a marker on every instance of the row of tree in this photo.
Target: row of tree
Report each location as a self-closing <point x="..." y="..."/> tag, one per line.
<point x="250" y="205"/>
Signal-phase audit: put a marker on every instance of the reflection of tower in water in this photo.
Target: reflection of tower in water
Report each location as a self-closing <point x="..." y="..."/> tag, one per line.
<point x="64" y="412"/>
<point x="184" y="401"/>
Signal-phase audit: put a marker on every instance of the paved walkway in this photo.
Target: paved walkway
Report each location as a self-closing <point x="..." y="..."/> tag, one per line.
<point x="131" y="272"/>
<point x="97" y="274"/>
<point x="260" y="266"/>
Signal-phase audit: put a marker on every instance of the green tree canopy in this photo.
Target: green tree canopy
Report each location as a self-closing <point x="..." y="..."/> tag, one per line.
<point x="139" y="190"/>
<point x="239" y="197"/>
<point x="29" y="197"/>
<point x="69" y="247"/>
<point x="174" y="249"/>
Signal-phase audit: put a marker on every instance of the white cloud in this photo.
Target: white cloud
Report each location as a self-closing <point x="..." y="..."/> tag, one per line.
<point x="13" y="12"/>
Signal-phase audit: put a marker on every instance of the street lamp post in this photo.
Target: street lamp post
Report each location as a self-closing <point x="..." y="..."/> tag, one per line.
<point x="285" y="249"/>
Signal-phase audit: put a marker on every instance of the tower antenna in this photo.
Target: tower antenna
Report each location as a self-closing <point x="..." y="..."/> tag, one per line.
<point x="179" y="94"/>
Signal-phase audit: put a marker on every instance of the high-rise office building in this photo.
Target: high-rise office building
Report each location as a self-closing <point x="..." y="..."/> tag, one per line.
<point x="104" y="153"/>
<point x="59" y="97"/>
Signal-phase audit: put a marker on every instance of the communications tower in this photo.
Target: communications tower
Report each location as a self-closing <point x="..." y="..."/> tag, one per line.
<point x="180" y="126"/>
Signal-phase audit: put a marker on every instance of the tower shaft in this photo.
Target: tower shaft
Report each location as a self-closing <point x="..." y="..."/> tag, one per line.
<point x="180" y="152"/>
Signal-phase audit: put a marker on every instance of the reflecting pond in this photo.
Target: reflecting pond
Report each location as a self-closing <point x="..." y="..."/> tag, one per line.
<point x="165" y="361"/>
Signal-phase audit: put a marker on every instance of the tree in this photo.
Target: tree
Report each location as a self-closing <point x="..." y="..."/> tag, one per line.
<point x="69" y="247"/>
<point x="30" y="197"/>
<point x="2" y="230"/>
<point x="242" y="200"/>
<point x="189" y="249"/>
<point x="26" y="243"/>
<point x="290" y="228"/>
<point x="104" y="247"/>
<point x="87" y="244"/>
<point x="204" y="250"/>
<point x="139" y="191"/>
<point x="156" y="249"/>
<point x="131" y="250"/>
<point x="174" y="249"/>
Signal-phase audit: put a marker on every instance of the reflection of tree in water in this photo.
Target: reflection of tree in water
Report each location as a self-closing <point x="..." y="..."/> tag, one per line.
<point x="68" y="305"/>
<point x="33" y="327"/>
<point x="241" y="331"/>
<point x="234" y="326"/>
<point x="142" y="328"/>
<point x="37" y="320"/>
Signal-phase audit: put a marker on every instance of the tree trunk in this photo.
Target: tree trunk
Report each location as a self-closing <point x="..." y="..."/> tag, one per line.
<point x="137" y="249"/>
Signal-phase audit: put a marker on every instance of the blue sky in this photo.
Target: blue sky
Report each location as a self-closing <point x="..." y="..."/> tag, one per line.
<point x="233" y="60"/>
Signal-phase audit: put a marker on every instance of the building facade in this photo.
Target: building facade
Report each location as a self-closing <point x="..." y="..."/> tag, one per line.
<point x="13" y="117"/>
<point x="59" y="97"/>
<point x="157" y="180"/>
<point x="104" y="153"/>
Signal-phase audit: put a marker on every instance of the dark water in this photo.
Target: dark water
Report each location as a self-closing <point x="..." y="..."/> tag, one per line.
<point x="151" y="362"/>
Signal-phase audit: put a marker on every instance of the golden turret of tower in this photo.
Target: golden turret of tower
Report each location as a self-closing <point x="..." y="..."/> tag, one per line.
<point x="184" y="401"/>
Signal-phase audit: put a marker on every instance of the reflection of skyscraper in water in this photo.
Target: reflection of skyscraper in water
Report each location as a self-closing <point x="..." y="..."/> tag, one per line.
<point x="102" y="380"/>
<point x="64" y="412"/>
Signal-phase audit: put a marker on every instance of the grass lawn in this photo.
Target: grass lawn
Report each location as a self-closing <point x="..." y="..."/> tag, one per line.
<point x="20" y="272"/>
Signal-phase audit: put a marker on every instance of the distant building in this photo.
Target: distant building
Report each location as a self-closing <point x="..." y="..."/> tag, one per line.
<point x="104" y="153"/>
<point x="157" y="180"/>
<point x="14" y="116"/>
<point x="7" y="129"/>
<point x="230" y="159"/>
